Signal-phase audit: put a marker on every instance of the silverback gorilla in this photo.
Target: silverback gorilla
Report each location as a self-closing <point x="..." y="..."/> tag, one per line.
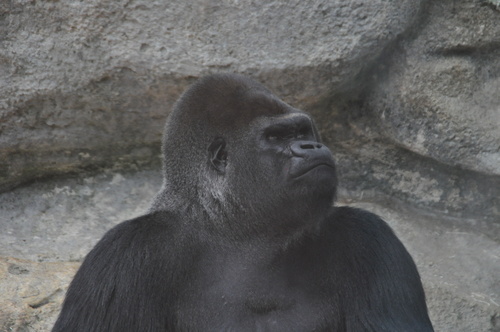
<point x="243" y="235"/>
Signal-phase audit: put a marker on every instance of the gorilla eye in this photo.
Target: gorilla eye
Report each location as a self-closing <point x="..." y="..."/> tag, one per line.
<point x="279" y="134"/>
<point x="273" y="137"/>
<point x="303" y="132"/>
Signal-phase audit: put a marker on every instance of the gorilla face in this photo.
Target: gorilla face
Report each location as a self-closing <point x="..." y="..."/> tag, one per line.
<point x="290" y="157"/>
<point x="291" y="138"/>
<point x="278" y="165"/>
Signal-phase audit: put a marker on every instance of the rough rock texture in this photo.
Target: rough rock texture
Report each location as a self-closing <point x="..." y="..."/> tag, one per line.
<point x="440" y="97"/>
<point x="425" y="127"/>
<point x="406" y="94"/>
<point x="85" y="84"/>
<point x="32" y="293"/>
<point x="61" y="220"/>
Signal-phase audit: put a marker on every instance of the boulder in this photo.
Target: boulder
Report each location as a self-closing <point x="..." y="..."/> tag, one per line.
<point x="87" y="85"/>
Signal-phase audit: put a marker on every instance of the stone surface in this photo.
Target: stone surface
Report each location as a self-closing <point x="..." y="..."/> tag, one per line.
<point x="61" y="220"/>
<point x="424" y="125"/>
<point x="47" y="225"/>
<point x="441" y="95"/>
<point x="32" y="293"/>
<point x="89" y="84"/>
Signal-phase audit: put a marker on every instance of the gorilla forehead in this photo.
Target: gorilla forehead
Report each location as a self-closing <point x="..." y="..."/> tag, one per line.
<point x="292" y="120"/>
<point x="227" y="101"/>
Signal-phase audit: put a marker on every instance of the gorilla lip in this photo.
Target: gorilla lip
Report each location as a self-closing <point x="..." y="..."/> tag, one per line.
<point x="310" y="168"/>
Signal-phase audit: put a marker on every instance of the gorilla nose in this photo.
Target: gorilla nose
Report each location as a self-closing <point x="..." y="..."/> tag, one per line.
<point x="302" y="149"/>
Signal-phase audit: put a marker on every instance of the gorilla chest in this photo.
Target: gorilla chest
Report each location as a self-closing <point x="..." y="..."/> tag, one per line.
<point x="251" y="300"/>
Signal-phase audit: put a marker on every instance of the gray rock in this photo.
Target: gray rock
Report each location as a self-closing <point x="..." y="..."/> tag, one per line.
<point x="62" y="219"/>
<point x="441" y="94"/>
<point x="424" y="128"/>
<point x="85" y="85"/>
<point x="32" y="293"/>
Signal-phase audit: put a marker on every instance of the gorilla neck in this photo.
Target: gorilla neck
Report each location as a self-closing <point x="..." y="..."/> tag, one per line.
<point x="219" y="217"/>
<point x="240" y="228"/>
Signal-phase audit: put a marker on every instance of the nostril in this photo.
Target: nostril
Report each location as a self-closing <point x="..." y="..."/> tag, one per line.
<point x="307" y="146"/>
<point x="304" y="148"/>
<point x="310" y="146"/>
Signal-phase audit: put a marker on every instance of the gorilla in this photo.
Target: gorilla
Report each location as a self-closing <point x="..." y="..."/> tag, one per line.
<point x="244" y="236"/>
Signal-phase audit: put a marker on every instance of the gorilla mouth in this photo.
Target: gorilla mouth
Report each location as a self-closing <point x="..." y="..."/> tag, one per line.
<point x="309" y="168"/>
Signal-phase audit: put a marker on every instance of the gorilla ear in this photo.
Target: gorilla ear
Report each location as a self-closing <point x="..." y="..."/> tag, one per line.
<point x="217" y="155"/>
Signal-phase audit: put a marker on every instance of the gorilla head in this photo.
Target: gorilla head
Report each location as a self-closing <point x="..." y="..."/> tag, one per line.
<point x="233" y="152"/>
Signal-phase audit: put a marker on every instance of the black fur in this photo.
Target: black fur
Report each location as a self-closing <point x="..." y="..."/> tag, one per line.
<point x="243" y="237"/>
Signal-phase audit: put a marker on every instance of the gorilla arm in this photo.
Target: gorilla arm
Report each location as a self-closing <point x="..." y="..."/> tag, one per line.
<point x="124" y="283"/>
<point x="381" y="288"/>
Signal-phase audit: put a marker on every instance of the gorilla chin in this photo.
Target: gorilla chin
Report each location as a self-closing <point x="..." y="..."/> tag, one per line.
<point x="243" y="235"/>
<point x="323" y="192"/>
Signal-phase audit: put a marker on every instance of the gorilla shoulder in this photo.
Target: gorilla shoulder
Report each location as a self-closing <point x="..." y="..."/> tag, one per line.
<point x="358" y="225"/>
<point x="127" y="263"/>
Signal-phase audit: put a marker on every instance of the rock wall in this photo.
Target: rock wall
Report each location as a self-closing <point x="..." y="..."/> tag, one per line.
<point x="87" y="84"/>
<point x="406" y="94"/>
